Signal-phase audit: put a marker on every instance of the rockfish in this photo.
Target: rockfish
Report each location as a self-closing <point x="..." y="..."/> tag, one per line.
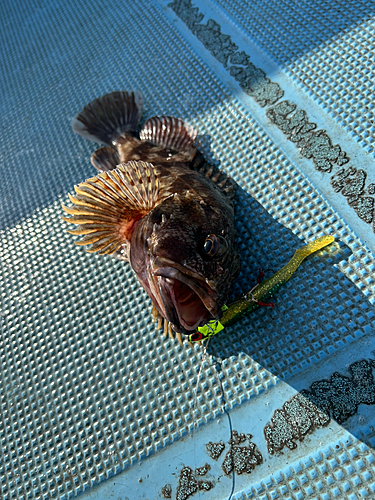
<point x="159" y="205"/>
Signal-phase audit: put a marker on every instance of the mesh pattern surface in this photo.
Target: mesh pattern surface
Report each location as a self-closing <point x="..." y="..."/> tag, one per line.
<point x="345" y="469"/>
<point x="326" y="47"/>
<point x="87" y="385"/>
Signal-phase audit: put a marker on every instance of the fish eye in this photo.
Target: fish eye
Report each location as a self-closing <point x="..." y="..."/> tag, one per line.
<point x="211" y="245"/>
<point x="214" y="245"/>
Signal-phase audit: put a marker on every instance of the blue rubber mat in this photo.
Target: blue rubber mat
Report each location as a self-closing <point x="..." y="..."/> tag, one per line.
<point x="97" y="403"/>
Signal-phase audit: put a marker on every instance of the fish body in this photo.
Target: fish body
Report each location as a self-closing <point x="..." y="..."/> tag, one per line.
<point x="159" y="205"/>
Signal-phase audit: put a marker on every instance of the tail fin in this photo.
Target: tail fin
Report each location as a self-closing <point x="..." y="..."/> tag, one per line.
<point x="107" y="117"/>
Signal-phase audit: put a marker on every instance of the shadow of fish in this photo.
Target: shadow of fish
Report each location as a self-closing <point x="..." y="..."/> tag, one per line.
<point x="159" y="205"/>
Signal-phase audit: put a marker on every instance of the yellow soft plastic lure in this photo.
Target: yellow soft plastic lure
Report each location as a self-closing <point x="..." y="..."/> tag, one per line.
<point x="258" y="295"/>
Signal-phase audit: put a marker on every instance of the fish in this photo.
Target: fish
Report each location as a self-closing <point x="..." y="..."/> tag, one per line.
<point x="159" y="205"/>
<point x="260" y="293"/>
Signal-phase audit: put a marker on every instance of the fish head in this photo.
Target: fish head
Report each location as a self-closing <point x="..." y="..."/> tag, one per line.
<point x="183" y="253"/>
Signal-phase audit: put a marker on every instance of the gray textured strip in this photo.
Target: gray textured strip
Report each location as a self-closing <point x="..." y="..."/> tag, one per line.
<point x="339" y="397"/>
<point x="312" y="143"/>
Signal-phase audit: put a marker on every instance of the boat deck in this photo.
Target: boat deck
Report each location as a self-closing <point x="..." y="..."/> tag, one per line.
<point x="95" y="402"/>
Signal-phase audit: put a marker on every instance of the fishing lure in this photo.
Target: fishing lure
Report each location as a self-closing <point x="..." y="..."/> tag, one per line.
<point x="260" y="293"/>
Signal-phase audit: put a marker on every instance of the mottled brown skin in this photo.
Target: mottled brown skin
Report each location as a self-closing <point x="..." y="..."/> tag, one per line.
<point x="172" y="222"/>
<point x="176" y="230"/>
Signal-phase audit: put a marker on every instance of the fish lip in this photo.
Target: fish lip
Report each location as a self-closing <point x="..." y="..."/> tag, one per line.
<point x="163" y="262"/>
<point x="166" y="276"/>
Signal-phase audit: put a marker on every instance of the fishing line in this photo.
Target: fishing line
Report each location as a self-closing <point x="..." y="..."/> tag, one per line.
<point x="196" y="408"/>
<point x="216" y="364"/>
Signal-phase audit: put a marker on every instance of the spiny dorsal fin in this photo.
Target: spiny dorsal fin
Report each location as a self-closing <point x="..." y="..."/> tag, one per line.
<point x="107" y="117"/>
<point x="108" y="205"/>
<point x="218" y="177"/>
<point x="169" y="132"/>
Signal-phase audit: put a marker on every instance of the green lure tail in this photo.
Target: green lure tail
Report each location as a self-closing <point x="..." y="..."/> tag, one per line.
<point x="258" y="295"/>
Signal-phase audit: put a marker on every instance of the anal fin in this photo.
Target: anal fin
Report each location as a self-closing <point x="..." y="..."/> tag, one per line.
<point x="105" y="159"/>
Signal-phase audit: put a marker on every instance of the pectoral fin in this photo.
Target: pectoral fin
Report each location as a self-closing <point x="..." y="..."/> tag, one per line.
<point x="108" y="206"/>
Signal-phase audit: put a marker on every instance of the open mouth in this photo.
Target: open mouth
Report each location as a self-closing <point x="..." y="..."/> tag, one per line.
<point x="189" y="310"/>
<point x="187" y="301"/>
